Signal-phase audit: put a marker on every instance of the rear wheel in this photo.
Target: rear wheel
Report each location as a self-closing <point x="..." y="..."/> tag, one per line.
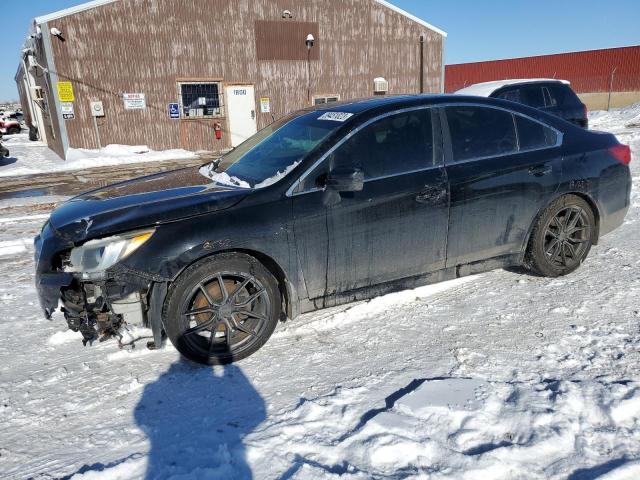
<point x="13" y="130"/>
<point x="222" y="309"/>
<point x="562" y="237"/>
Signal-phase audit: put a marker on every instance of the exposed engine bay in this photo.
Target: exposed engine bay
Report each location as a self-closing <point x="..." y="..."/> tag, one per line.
<point x="89" y="309"/>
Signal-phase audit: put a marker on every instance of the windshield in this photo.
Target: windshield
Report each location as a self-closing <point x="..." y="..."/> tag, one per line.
<point x="273" y="152"/>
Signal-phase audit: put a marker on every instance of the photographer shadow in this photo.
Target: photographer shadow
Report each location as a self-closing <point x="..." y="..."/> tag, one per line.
<point x="196" y="418"/>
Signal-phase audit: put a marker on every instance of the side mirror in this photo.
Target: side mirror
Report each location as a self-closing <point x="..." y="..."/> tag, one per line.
<point x="345" y="180"/>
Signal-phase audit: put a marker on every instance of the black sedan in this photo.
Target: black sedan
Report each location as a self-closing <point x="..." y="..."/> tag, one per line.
<point x="327" y="206"/>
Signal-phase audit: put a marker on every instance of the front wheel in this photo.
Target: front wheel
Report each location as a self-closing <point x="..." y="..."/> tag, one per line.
<point x="562" y="237"/>
<point x="222" y="309"/>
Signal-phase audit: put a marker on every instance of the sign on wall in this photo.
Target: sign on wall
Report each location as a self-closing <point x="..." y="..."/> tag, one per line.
<point x="174" y="111"/>
<point x="67" y="111"/>
<point x="265" y="104"/>
<point x="65" y="92"/>
<point x="134" y="101"/>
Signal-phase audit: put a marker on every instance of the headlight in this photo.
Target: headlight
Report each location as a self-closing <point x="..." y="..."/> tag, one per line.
<point x="97" y="255"/>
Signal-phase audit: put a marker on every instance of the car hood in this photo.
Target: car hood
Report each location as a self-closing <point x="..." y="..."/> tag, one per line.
<point x="142" y="202"/>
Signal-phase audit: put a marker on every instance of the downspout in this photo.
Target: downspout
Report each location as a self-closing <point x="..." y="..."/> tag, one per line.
<point x="442" y="65"/>
<point x="421" y="64"/>
<point x="53" y="82"/>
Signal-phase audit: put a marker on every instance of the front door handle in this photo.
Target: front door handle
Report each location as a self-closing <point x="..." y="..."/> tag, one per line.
<point x="431" y="195"/>
<point x="540" y="170"/>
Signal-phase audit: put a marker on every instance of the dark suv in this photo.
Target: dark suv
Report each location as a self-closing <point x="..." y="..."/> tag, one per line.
<point x="552" y="96"/>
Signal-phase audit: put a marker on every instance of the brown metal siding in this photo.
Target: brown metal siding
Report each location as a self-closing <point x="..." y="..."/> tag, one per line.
<point x="146" y="45"/>
<point x="285" y="40"/>
<point x="588" y="72"/>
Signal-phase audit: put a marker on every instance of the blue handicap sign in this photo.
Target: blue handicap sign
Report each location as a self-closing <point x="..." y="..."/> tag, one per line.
<point x="174" y="110"/>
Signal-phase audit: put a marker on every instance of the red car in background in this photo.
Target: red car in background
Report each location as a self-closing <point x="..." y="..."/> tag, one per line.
<point x="9" y="126"/>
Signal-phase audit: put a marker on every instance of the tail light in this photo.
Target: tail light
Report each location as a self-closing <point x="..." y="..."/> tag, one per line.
<point x="622" y="153"/>
<point x="586" y="110"/>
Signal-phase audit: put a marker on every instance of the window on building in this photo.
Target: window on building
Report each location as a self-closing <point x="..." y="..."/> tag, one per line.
<point x="324" y="99"/>
<point x="200" y="99"/>
<point x="478" y="132"/>
<point x="534" y="135"/>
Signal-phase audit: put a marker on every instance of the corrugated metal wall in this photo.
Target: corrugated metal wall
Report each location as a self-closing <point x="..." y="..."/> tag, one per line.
<point x="146" y="46"/>
<point x="588" y="72"/>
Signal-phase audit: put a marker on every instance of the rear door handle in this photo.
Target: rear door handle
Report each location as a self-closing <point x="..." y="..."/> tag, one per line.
<point x="541" y="170"/>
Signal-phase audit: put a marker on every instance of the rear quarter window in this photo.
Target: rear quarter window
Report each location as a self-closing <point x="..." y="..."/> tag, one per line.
<point x="533" y="135"/>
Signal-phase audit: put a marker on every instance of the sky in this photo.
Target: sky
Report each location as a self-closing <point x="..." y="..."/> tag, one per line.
<point x="478" y="29"/>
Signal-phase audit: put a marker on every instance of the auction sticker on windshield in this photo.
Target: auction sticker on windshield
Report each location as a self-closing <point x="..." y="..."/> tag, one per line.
<point x="335" y="116"/>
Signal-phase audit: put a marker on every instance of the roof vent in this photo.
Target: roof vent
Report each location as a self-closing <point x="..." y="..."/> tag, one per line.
<point x="380" y="86"/>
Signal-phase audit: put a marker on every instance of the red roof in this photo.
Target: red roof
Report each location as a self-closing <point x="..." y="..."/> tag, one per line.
<point x="588" y="71"/>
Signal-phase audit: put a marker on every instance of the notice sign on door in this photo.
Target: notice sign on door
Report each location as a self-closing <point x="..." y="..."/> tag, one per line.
<point x="265" y="104"/>
<point x="65" y="92"/>
<point x="134" y="101"/>
<point x="67" y="111"/>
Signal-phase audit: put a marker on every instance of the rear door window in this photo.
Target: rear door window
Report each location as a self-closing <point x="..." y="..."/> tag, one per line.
<point x="549" y="99"/>
<point x="478" y="132"/>
<point x="532" y="96"/>
<point x="511" y="95"/>
<point x="533" y="135"/>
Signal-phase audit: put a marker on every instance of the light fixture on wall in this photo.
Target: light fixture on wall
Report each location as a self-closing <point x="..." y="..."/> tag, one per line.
<point x="57" y="33"/>
<point x="287" y="14"/>
<point x="309" y="42"/>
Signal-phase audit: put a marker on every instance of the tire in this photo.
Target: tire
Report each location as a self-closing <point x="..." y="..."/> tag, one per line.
<point x="562" y="237"/>
<point x="13" y="131"/>
<point x="209" y="330"/>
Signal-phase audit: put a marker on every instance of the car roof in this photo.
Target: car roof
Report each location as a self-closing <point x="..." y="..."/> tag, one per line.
<point x="485" y="89"/>
<point x="379" y="105"/>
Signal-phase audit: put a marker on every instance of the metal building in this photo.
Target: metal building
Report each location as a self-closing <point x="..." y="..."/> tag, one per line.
<point x="168" y="73"/>
<point x="598" y="76"/>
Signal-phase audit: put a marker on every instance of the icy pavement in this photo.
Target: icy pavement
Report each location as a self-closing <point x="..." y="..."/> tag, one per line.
<point x="497" y="376"/>
<point x="35" y="157"/>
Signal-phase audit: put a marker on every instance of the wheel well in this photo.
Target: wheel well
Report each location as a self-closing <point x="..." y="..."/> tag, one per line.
<point x="275" y="270"/>
<point x="586" y="198"/>
<point x="594" y="209"/>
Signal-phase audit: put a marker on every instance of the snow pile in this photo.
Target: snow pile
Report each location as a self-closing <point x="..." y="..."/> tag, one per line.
<point x="502" y="375"/>
<point x="616" y="121"/>
<point x="35" y="157"/>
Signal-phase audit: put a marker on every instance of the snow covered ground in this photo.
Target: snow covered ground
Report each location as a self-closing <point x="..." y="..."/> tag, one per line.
<point x="35" y="157"/>
<point x="497" y="376"/>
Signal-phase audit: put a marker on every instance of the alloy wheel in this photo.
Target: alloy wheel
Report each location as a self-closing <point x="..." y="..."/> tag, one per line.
<point x="226" y="313"/>
<point x="567" y="237"/>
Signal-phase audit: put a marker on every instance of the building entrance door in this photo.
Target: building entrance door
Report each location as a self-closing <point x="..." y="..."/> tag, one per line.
<point x="241" y="110"/>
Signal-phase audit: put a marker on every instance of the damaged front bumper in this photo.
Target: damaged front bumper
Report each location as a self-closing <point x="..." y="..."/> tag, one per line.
<point x="98" y="307"/>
